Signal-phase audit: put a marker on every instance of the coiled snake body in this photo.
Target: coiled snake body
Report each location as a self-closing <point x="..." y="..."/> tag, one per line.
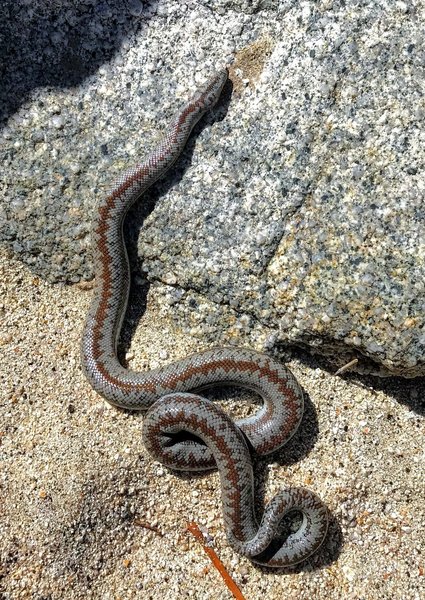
<point x="163" y="392"/>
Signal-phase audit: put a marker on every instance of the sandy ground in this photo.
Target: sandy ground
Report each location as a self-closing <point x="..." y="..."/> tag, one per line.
<point x="78" y="488"/>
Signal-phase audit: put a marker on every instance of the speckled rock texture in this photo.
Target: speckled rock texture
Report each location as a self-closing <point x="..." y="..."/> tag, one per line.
<point x="296" y="213"/>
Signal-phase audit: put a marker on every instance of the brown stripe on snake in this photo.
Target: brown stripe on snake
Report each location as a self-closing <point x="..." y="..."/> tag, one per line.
<point x="154" y="432"/>
<point x="162" y="391"/>
<point x="177" y="413"/>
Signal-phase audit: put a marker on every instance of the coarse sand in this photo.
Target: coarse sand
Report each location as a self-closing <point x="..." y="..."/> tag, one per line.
<point x="86" y="513"/>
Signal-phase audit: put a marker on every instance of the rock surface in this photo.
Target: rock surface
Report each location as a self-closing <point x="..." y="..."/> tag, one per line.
<point x="297" y="214"/>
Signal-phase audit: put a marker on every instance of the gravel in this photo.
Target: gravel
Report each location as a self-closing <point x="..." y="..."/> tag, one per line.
<point x="77" y="485"/>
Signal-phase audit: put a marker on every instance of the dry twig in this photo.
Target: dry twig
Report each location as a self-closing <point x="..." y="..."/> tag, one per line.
<point x="147" y="525"/>
<point x="347" y="367"/>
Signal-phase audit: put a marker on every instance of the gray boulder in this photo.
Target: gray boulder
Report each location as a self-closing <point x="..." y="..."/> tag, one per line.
<point x="296" y="215"/>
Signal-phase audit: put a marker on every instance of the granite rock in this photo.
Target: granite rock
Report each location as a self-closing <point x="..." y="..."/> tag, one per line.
<point x="296" y="214"/>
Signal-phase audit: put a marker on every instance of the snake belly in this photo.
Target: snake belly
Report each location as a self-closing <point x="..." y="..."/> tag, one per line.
<point x="163" y="392"/>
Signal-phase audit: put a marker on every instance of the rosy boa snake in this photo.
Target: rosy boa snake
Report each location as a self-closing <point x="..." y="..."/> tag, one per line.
<point x="161" y="391"/>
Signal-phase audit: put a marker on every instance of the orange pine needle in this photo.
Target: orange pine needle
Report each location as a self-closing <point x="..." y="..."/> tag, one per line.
<point x="196" y="532"/>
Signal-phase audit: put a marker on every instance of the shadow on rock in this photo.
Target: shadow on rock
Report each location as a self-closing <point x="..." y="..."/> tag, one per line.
<point x="58" y="43"/>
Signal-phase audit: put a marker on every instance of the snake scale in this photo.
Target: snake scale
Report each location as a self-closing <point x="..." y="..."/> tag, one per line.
<point x="170" y="394"/>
